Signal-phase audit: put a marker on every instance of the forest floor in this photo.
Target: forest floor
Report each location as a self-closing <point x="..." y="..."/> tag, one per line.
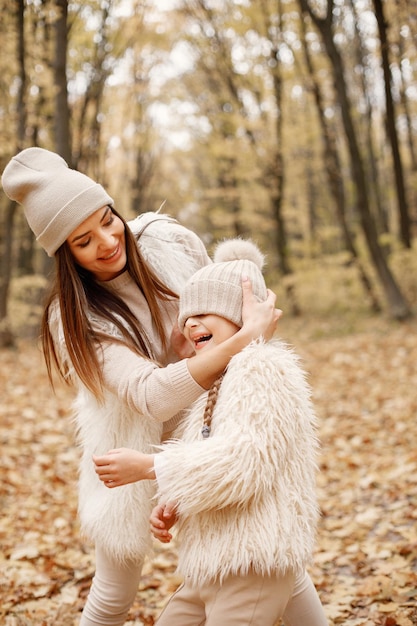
<point x="365" y="569"/>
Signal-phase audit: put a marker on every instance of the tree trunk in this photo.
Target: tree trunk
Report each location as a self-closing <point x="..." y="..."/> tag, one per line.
<point x="6" y="335"/>
<point x="275" y="175"/>
<point x="367" y="128"/>
<point x="62" y="114"/>
<point x="402" y="13"/>
<point x="407" y="112"/>
<point x="7" y="339"/>
<point x="397" y="304"/>
<point x="391" y="127"/>
<point x="334" y="176"/>
<point x="88" y="125"/>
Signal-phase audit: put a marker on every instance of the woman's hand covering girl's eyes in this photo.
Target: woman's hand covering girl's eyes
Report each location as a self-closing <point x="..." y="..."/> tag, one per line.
<point x="260" y="317"/>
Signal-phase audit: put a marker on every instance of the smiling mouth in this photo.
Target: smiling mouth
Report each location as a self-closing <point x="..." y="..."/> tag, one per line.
<point x="203" y="338"/>
<point x="111" y="255"/>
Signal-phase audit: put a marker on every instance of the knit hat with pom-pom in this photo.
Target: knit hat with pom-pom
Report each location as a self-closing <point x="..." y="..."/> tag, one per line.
<point x="217" y="288"/>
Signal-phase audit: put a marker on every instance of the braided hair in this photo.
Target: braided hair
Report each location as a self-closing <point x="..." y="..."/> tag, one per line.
<point x="210" y="404"/>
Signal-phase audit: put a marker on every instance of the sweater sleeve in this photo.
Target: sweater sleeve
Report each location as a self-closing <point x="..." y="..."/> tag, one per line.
<point x="255" y="430"/>
<point x="158" y="393"/>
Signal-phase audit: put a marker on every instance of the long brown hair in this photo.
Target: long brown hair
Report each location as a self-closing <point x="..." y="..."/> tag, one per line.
<point x="79" y="296"/>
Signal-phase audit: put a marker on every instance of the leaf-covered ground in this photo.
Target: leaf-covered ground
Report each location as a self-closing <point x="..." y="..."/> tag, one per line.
<point x="365" y="391"/>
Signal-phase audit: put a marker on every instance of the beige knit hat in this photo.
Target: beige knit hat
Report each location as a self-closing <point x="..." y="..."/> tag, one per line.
<point x="217" y="288"/>
<point x="55" y="198"/>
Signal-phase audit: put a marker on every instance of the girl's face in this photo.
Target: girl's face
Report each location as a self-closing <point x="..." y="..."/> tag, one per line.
<point x="98" y="244"/>
<point x="206" y="331"/>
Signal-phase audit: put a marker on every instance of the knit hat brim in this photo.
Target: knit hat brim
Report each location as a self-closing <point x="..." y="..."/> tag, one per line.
<point x="71" y="215"/>
<point x="216" y="297"/>
<point x="55" y="198"/>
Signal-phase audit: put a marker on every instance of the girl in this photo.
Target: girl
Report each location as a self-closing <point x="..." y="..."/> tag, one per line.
<point x="241" y="472"/>
<point x="109" y="328"/>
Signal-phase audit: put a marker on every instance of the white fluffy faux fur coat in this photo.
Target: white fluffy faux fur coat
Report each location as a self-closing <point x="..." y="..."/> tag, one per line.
<point x="246" y="495"/>
<point x="118" y="519"/>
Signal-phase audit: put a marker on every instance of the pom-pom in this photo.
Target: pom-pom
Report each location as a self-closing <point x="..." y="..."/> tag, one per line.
<point x="239" y="250"/>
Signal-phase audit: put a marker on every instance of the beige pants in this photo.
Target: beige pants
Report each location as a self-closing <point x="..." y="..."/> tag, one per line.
<point x="250" y="600"/>
<point x="112" y="592"/>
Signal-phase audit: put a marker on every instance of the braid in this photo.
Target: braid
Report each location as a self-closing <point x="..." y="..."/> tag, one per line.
<point x="210" y="404"/>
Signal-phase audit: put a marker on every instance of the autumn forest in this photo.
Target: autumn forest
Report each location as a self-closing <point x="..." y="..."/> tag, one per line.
<point x="293" y="122"/>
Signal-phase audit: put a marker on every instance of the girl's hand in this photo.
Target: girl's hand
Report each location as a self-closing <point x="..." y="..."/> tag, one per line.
<point x="259" y="318"/>
<point x="123" y="466"/>
<point x="162" y="518"/>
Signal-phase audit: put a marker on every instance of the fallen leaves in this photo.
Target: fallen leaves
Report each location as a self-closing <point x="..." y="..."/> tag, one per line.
<point x="365" y="565"/>
<point x="365" y="393"/>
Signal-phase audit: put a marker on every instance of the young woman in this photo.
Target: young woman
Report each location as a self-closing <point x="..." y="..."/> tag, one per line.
<point x="239" y="479"/>
<point x="109" y="328"/>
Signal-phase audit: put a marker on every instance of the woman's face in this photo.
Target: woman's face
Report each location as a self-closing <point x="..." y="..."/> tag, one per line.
<point x="206" y="331"/>
<point x="98" y="244"/>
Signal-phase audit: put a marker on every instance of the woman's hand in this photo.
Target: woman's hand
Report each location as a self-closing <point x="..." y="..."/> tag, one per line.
<point x="259" y="318"/>
<point x="162" y="518"/>
<point x="123" y="466"/>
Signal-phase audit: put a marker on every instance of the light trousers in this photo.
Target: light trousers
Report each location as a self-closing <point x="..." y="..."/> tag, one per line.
<point x="112" y="591"/>
<point x="304" y="607"/>
<point x="240" y="601"/>
<point x="249" y="600"/>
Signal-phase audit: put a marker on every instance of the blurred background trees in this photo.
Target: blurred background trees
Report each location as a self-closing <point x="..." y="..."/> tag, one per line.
<point x="290" y="121"/>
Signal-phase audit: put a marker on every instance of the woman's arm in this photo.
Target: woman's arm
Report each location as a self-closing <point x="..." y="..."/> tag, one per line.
<point x="123" y="466"/>
<point x="160" y="392"/>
